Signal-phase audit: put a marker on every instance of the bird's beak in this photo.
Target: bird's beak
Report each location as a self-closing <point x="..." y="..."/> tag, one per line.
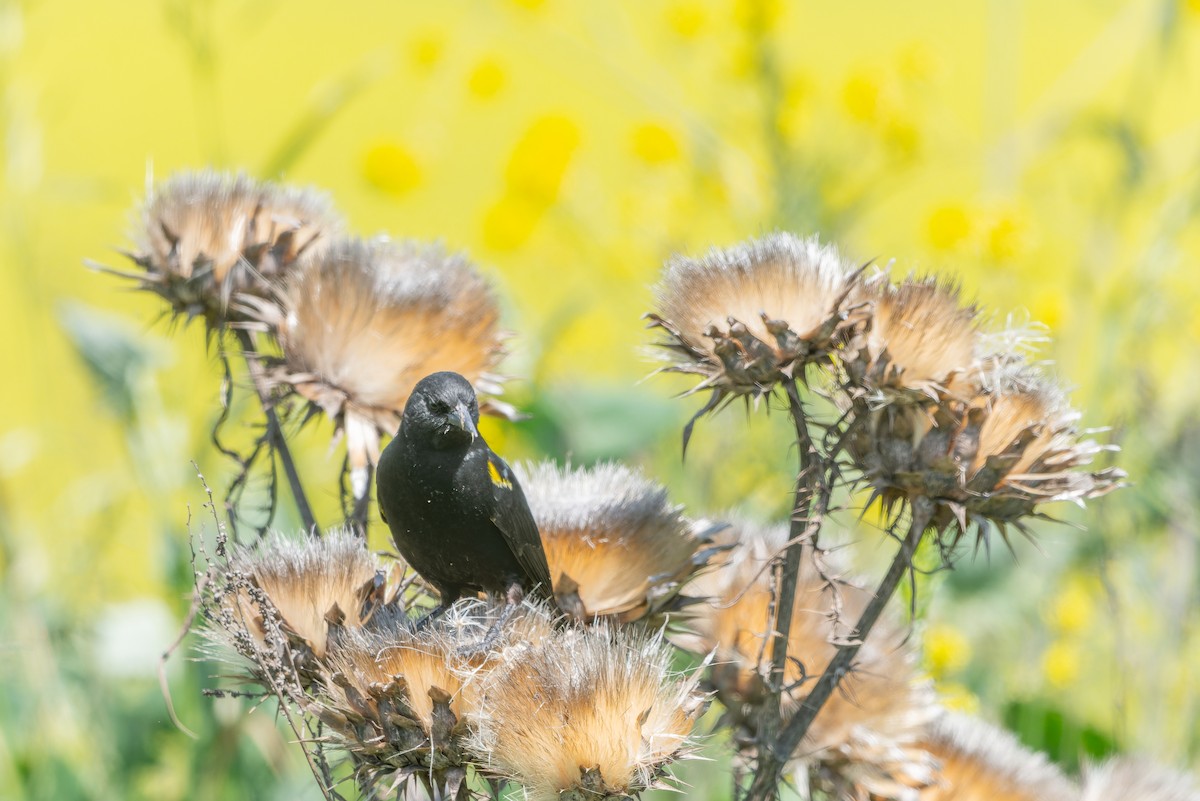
<point x="461" y="419"/>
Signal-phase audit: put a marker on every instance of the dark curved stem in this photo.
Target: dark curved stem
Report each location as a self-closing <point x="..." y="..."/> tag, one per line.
<point x="275" y="435"/>
<point x="808" y="509"/>
<point x="766" y="779"/>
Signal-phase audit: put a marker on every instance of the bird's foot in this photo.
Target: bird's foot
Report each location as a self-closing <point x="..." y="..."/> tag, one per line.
<point x="492" y="635"/>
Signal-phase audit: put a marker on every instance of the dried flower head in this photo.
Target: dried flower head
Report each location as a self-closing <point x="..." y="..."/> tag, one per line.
<point x="400" y="699"/>
<point x="205" y="236"/>
<point x="362" y="324"/>
<point x="921" y="336"/>
<point x="865" y="735"/>
<point x="980" y="762"/>
<point x="313" y="586"/>
<point x="585" y="713"/>
<point x="993" y="456"/>
<point x="1134" y="779"/>
<point x="615" y="543"/>
<point x="748" y="317"/>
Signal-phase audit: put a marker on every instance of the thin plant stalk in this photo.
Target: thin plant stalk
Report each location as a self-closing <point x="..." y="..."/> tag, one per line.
<point x="804" y="525"/>
<point x="275" y="434"/>
<point x="765" y="784"/>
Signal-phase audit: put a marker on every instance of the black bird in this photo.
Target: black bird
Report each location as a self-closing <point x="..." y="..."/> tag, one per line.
<point x="456" y="511"/>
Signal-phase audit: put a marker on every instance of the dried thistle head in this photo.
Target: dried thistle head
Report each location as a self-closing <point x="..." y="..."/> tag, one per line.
<point x="750" y="316"/>
<point x="204" y="237"/>
<point x="1134" y="779"/>
<point x="585" y="713"/>
<point x="865" y="735"/>
<point x="990" y="455"/>
<point x="363" y="323"/>
<point x="401" y="700"/>
<point x="615" y="543"/>
<point x="980" y="762"/>
<point x="313" y="586"/>
<point x="921" y="336"/>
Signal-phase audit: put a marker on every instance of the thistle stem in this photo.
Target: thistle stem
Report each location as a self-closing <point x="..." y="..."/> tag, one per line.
<point x="275" y="435"/>
<point x="766" y="779"/>
<point x="805" y="521"/>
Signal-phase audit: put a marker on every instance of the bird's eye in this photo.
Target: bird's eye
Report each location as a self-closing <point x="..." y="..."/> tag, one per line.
<point x="439" y="407"/>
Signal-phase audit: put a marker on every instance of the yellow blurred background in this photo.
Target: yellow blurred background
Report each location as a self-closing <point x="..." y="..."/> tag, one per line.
<point x="1045" y="154"/>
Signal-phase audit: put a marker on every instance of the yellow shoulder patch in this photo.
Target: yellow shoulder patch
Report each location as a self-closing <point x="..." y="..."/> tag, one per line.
<point x="497" y="479"/>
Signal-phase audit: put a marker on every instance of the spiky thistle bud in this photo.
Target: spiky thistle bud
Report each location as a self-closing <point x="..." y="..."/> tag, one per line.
<point x="615" y="543"/>
<point x="204" y="237"/>
<point x="865" y="735"/>
<point x="302" y="588"/>
<point x="1134" y="779"/>
<point x="362" y="324"/>
<point x="988" y="455"/>
<point x="980" y="762"/>
<point x="586" y="713"/>
<point x="920" y="338"/>
<point x="747" y="317"/>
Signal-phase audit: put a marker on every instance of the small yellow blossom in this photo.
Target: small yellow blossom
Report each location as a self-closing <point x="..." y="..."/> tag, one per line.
<point x="948" y="226"/>
<point x="1004" y="238"/>
<point x="487" y="79"/>
<point x="541" y="157"/>
<point x="685" y="19"/>
<point x="389" y="167"/>
<point x="1074" y="607"/>
<point x="861" y="95"/>
<point x="917" y="62"/>
<point x="655" y="144"/>
<point x="958" y="698"/>
<point x="1060" y="664"/>
<point x="426" y="51"/>
<point x="946" y="650"/>
<point x="509" y="224"/>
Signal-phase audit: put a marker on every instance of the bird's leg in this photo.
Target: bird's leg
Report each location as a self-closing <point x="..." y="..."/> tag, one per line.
<point x="445" y="601"/>
<point x="512" y="601"/>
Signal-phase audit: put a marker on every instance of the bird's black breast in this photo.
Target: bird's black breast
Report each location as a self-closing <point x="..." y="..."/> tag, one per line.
<point x="440" y="507"/>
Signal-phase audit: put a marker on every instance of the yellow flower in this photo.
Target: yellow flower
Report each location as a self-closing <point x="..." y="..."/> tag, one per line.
<point x="1060" y="664"/>
<point x="541" y="157"/>
<point x="948" y="226"/>
<point x="1004" y="237"/>
<point x="958" y="698"/>
<point x="487" y="79"/>
<point x="1073" y="608"/>
<point x="509" y="224"/>
<point x="946" y="649"/>
<point x="861" y="95"/>
<point x="426" y="51"/>
<point x="655" y="144"/>
<point x="389" y="167"/>
<point x="685" y="19"/>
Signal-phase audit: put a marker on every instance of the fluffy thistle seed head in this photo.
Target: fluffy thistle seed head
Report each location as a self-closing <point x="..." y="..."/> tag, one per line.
<point x="752" y="315"/>
<point x="865" y="735"/>
<point x="1133" y="779"/>
<point x="362" y="324"/>
<point x="615" y="543"/>
<point x="205" y="236"/>
<point x="921" y="336"/>
<point x="315" y="586"/>
<point x="585" y="713"/>
<point x="400" y="701"/>
<point x="980" y="762"/>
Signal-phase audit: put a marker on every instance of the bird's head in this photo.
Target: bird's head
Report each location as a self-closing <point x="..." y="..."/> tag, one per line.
<point x="442" y="412"/>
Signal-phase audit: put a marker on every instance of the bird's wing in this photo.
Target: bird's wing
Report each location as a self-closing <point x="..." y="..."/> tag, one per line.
<point x="512" y="516"/>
